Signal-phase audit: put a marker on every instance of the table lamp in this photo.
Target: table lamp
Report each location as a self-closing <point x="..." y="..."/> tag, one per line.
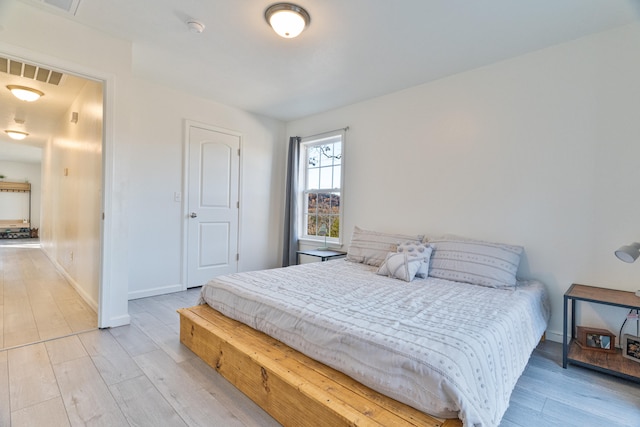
<point x="323" y="231"/>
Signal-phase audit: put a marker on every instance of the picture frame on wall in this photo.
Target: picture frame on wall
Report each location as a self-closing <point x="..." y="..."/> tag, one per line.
<point x="631" y="347"/>
<point x="596" y="339"/>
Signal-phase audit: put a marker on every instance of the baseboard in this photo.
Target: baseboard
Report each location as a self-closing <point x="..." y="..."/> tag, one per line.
<point x="114" y="322"/>
<point x="155" y="291"/>
<point x="553" y="336"/>
<point x="83" y="294"/>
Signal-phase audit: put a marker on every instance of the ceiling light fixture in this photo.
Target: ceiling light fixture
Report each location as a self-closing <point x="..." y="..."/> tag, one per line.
<point x="25" y="93"/>
<point x="16" y="134"/>
<point x="287" y="20"/>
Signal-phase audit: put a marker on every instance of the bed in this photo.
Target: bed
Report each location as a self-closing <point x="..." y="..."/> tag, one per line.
<point x="447" y="348"/>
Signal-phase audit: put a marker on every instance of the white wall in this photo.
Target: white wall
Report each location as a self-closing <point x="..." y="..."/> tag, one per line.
<point x="540" y="151"/>
<point x="143" y="157"/>
<point x="36" y="36"/>
<point x="155" y="219"/>
<point x="21" y="172"/>
<point x="72" y="189"/>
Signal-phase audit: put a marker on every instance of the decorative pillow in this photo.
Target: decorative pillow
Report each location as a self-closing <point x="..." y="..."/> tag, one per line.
<point x="400" y="266"/>
<point x="476" y="262"/>
<point x="372" y="247"/>
<point x="421" y="250"/>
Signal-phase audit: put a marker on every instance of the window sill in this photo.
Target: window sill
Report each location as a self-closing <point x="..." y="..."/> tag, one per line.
<point x="319" y="243"/>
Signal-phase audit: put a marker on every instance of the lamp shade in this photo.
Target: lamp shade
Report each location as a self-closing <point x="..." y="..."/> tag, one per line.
<point x="628" y="253"/>
<point x="287" y="20"/>
<point x="323" y="231"/>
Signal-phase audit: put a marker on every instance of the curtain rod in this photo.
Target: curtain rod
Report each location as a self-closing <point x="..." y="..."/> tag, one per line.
<point x="323" y="133"/>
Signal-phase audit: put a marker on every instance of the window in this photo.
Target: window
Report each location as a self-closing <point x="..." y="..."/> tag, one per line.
<point x="321" y="178"/>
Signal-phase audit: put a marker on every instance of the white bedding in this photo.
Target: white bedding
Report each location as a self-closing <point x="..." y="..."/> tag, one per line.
<point x="446" y="348"/>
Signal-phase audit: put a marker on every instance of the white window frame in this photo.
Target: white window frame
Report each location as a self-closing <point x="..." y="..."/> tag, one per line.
<point x="325" y="138"/>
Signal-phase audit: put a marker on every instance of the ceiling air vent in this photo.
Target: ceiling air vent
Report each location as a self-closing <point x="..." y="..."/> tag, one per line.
<point x="33" y="72"/>
<point x="68" y="6"/>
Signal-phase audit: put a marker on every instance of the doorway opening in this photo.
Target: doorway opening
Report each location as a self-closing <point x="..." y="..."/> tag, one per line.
<point x="65" y="129"/>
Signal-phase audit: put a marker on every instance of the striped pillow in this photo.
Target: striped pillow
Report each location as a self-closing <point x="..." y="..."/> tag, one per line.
<point x="372" y="247"/>
<point x="472" y="261"/>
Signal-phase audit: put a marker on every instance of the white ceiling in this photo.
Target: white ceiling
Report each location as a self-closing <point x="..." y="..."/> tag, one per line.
<point x="353" y="50"/>
<point x="40" y="117"/>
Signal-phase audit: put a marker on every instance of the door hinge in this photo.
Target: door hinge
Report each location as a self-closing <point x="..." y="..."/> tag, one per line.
<point x="238" y="205"/>
<point x="103" y="215"/>
<point x="237" y="257"/>
<point x="238" y="151"/>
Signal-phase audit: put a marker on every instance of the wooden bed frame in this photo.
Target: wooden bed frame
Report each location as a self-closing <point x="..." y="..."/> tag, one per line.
<point x="293" y="388"/>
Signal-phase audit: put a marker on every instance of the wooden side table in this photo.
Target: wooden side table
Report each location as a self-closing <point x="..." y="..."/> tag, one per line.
<point x="610" y="363"/>
<point x="323" y="255"/>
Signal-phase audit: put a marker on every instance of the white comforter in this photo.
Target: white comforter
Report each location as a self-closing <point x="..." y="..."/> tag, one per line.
<point x="446" y="348"/>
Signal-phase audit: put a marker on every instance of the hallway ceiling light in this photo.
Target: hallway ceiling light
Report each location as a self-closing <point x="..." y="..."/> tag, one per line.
<point x="25" y="93"/>
<point x="16" y="134"/>
<point x="287" y="20"/>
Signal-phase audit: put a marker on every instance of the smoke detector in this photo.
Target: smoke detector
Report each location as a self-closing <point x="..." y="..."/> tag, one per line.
<point x="195" y="26"/>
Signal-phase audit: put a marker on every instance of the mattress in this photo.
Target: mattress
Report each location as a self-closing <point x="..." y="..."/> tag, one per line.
<point x="446" y="348"/>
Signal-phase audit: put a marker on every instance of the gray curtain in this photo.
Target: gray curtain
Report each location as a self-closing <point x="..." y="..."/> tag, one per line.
<point x="290" y="245"/>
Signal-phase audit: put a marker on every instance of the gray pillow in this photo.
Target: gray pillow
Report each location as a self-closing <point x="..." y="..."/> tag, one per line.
<point x="473" y="261"/>
<point x="371" y="247"/>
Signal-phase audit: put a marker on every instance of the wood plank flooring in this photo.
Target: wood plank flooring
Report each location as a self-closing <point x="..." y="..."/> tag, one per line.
<point x="140" y="375"/>
<point x="36" y="302"/>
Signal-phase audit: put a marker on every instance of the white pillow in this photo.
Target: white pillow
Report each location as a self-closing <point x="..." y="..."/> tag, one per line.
<point x="421" y="250"/>
<point x="400" y="266"/>
<point x="473" y="261"/>
<point x="372" y="247"/>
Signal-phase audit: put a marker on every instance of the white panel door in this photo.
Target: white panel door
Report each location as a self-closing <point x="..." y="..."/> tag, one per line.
<point x="213" y="201"/>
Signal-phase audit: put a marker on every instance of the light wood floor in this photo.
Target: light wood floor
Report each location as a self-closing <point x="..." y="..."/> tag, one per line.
<point x="36" y="302"/>
<point x="140" y="375"/>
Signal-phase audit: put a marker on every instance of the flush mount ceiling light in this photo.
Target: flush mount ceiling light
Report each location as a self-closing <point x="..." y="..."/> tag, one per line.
<point x="287" y="20"/>
<point x="25" y="93"/>
<point x="16" y="134"/>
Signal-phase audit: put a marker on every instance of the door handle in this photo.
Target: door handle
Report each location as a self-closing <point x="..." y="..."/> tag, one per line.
<point x="193" y="215"/>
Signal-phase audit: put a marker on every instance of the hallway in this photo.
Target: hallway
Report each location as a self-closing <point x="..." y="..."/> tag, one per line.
<point x="36" y="302"/>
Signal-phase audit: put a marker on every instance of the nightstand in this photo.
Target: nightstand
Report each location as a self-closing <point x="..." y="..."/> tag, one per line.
<point x="323" y="255"/>
<point x="572" y="352"/>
